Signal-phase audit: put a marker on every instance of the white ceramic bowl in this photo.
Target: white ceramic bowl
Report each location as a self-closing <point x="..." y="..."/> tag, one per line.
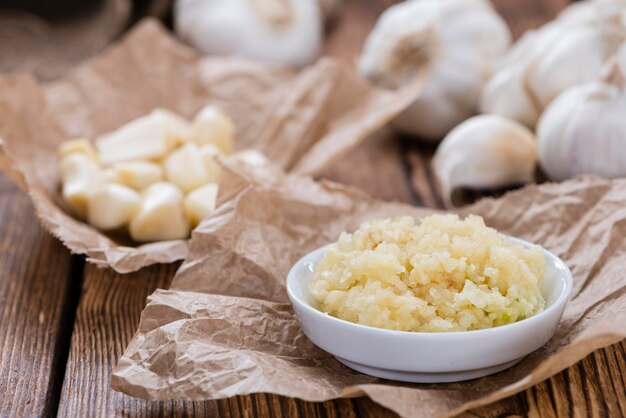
<point x="428" y="357"/>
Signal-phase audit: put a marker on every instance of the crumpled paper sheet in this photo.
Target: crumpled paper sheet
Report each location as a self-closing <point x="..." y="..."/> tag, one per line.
<point x="51" y="47"/>
<point x="225" y="326"/>
<point x="303" y="122"/>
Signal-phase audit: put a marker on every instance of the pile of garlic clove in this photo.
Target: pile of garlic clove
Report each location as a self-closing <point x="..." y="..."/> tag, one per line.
<point x="155" y="177"/>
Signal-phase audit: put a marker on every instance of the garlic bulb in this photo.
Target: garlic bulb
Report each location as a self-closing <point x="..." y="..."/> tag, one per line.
<point x="565" y="52"/>
<point x="457" y="40"/>
<point x="282" y="32"/>
<point x="583" y="130"/>
<point x="484" y="152"/>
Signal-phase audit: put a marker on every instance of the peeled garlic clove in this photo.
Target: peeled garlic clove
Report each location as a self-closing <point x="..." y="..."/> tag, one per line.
<point x="78" y="172"/>
<point x="456" y="41"/>
<point x="177" y="127"/>
<point x="111" y="206"/>
<point x="200" y="203"/>
<point x="283" y="32"/>
<point x="210" y="154"/>
<point x="109" y="175"/>
<point x="212" y="126"/>
<point x="251" y="157"/>
<point x="484" y="152"/>
<point x="186" y="168"/>
<point x="81" y="146"/>
<point x="137" y="174"/>
<point x="583" y="130"/>
<point x="161" y="216"/>
<point x="150" y="137"/>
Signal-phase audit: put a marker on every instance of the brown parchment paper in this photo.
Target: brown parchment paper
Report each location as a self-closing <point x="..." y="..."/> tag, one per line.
<point x="225" y="327"/>
<point x="302" y="122"/>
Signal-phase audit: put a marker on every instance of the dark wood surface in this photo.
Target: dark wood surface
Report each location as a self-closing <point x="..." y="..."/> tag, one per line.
<point x="64" y="323"/>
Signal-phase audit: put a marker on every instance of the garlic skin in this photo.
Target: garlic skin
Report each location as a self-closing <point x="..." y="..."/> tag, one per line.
<point x="583" y="130"/>
<point x="458" y="41"/>
<point x="281" y="32"/>
<point x="566" y="52"/>
<point x="485" y="152"/>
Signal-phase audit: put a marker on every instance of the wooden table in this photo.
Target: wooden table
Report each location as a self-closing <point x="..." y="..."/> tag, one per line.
<point x="64" y="323"/>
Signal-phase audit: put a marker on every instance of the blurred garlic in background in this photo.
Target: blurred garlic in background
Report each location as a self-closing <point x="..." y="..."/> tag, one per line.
<point x="281" y="32"/>
<point x="584" y="130"/>
<point x="485" y="152"/>
<point x="565" y="52"/>
<point x="458" y="40"/>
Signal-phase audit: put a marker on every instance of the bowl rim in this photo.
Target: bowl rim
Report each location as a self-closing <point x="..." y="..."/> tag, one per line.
<point x="560" y="301"/>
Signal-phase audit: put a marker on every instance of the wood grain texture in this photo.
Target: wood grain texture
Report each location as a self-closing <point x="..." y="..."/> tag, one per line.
<point x="380" y="153"/>
<point x="36" y="286"/>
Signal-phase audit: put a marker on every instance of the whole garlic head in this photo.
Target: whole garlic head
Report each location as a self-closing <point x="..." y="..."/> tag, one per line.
<point x="282" y="32"/>
<point x="457" y="40"/>
<point x="583" y="130"/>
<point x="485" y="152"/>
<point x="565" y="52"/>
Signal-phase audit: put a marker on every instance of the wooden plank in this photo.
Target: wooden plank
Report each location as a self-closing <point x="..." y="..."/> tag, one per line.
<point x="37" y="290"/>
<point x="376" y="166"/>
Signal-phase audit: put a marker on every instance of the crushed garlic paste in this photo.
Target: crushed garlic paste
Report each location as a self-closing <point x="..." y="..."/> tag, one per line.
<point x="444" y="274"/>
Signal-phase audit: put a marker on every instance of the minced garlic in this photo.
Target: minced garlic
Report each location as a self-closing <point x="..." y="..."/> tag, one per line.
<point x="445" y="274"/>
